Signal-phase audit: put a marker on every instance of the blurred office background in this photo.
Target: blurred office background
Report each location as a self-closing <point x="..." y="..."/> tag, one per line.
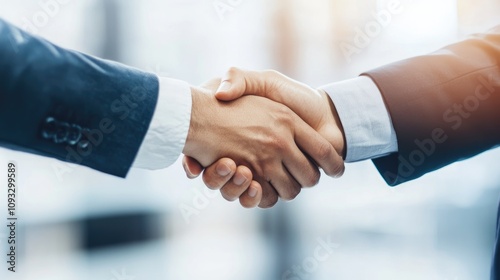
<point x="75" y="223"/>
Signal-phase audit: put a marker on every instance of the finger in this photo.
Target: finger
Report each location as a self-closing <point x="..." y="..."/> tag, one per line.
<point x="252" y="196"/>
<point x="192" y="167"/>
<point x="301" y="168"/>
<point x="238" y="82"/>
<point x="269" y="194"/>
<point x="239" y="183"/>
<point x="318" y="148"/>
<point x="219" y="173"/>
<point x="232" y="85"/>
<point x="272" y="85"/>
<point x="285" y="185"/>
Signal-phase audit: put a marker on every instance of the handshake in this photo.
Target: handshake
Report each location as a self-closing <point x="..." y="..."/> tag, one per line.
<point x="262" y="136"/>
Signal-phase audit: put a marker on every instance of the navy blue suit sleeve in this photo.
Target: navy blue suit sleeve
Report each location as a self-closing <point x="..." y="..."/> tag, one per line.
<point x="67" y="105"/>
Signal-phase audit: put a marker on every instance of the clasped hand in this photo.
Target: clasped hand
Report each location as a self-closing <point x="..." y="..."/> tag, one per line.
<point x="259" y="136"/>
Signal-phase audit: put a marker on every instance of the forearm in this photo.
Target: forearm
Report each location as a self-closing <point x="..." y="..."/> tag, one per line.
<point x="444" y="106"/>
<point x="71" y="106"/>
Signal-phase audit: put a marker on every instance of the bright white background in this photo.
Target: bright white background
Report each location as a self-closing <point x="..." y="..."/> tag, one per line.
<point x="441" y="226"/>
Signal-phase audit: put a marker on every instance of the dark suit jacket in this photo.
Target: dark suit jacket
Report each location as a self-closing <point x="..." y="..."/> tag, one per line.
<point x="444" y="106"/>
<point x="71" y="106"/>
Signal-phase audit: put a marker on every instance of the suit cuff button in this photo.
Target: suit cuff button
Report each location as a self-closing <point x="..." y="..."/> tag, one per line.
<point x="74" y="134"/>
<point x="83" y="144"/>
<point x="61" y="133"/>
<point x="49" y="128"/>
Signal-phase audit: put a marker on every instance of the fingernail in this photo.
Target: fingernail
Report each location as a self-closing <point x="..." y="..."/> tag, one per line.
<point x="223" y="170"/>
<point x="188" y="173"/>
<point x="225" y="86"/>
<point x="252" y="192"/>
<point x="239" y="179"/>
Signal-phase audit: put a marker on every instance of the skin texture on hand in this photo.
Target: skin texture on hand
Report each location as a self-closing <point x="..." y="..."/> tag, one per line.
<point x="313" y="106"/>
<point x="221" y="176"/>
<point x="266" y="137"/>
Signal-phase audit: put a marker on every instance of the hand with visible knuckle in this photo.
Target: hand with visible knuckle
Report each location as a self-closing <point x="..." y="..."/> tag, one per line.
<point x="271" y="132"/>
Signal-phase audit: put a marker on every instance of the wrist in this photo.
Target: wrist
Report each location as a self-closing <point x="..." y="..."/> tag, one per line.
<point x="200" y="136"/>
<point x="339" y="144"/>
<point x="193" y="136"/>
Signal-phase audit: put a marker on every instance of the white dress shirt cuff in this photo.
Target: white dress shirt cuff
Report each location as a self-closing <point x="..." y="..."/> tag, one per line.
<point x="368" y="129"/>
<point x="169" y="126"/>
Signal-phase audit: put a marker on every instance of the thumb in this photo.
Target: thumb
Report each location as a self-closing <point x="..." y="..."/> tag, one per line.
<point x="227" y="91"/>
<point x="232" y="86"/>
<point x="239" y="82"/>
<point x="192" y="167"/>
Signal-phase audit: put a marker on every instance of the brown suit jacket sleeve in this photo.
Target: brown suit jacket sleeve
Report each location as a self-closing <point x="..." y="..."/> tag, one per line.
<point x="444" y="106"/>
